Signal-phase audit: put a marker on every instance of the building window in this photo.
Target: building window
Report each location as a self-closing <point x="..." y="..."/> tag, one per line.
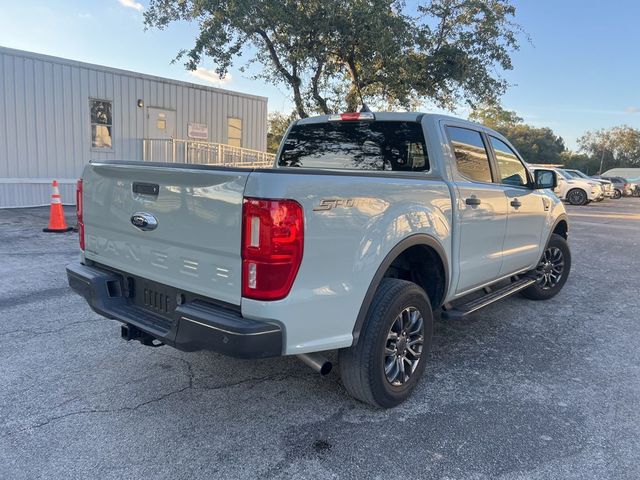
<point x="101" y="124"/>
<point x="234" y="132"/>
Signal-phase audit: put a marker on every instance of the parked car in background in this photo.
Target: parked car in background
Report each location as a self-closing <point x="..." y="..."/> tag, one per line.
<point x="634" y="186"/>
<point x="607" y="186"/>
<point x="620" y="186"/>
<point x="631" y="177"/>
<point x="577" y="190"/>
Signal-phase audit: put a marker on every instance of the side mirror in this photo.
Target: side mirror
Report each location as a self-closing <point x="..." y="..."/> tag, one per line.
<point x="545" y="179"/>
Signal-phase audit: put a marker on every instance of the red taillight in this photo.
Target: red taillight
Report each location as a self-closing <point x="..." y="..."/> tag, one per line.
<point x="272" y="243"/>
<point x="79" y="213"/>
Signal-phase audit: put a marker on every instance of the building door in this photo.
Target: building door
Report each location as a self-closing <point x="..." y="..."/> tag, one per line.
<point x="161" y="128"/>
<point x="161" y="123"/>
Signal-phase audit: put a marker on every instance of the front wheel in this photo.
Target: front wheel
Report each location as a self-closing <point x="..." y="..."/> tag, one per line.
<point x="577" y="196"/>
<point x="384" y="367"/>
<point x="552" y="270"/>
<point x="617" y="194"/>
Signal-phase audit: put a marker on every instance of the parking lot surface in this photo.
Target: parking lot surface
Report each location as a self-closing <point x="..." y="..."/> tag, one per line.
<point x="522" y="390"/>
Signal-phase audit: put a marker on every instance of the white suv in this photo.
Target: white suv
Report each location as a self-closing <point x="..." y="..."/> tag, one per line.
<point x="577" y="191"/>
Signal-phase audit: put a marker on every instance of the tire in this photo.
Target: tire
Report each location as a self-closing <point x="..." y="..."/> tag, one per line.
<point x="617" y="194"/>
<point x="367" y="368"/>
<point x="547" y="284"/>
<point x="577" y="196"/>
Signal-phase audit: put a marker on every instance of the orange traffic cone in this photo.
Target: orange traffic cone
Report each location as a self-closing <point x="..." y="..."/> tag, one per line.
<point x="56" y="215"/>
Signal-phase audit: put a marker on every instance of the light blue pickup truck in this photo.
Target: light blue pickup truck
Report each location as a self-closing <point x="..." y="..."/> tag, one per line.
<point x="366" y="225"/>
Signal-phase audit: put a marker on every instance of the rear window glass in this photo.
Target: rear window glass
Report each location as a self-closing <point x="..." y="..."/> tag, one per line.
<point x="398" y="146"/>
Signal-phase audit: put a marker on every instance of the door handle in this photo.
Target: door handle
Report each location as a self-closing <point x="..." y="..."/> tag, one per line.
<point x="473" y="201"/>
<point x="516" y="203"/>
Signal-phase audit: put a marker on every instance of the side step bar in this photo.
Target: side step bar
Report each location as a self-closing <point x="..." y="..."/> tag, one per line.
<point x="462" y="311"/>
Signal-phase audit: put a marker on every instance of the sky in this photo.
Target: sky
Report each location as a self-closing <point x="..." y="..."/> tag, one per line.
<point x="579" y="70"/>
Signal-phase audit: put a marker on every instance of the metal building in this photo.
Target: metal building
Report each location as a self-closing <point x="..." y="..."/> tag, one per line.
<point x="57" y="114"/>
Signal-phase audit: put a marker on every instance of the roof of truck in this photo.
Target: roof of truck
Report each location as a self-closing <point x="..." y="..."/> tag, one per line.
<point x="391" y="116"/>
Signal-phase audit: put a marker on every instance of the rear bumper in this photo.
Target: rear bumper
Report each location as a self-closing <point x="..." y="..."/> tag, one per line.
<point x="192" y="325"/>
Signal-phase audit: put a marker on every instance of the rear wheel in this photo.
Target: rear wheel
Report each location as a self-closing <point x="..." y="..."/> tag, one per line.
<point x="384" y="367"/>
<point x="552" y="270"/>
<point x="577" y="196"/>
<point x="617" y="194"/>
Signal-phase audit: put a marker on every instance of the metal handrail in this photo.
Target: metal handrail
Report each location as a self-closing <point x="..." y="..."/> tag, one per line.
<point x="176" y="150"/>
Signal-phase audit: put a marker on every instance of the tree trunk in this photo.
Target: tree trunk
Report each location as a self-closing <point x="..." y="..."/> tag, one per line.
<point x="295" y="82"/>
<point x="354" y="97"/>
<point x="291" y="78"/>
<point x="315" y="90"/>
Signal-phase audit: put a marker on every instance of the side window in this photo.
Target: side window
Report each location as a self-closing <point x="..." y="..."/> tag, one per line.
<point x="472" y="158"/>
<point x="512" y="171"/>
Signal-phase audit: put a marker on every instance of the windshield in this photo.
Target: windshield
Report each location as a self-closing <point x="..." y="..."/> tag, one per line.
<point x="578" y="173"/>
<point x="568" y="174"/>
<point x="356" y="145"/>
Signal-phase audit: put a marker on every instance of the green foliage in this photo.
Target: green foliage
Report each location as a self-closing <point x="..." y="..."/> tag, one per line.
<point x="278" y="124"/>
<point x="335" y="54"/>
<point x="494" y="116"/>
<point x="614" y="147"/>
<point x="536" y="145"/>
<point x="580" y="161"/>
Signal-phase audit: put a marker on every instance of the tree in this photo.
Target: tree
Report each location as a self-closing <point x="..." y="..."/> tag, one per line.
<point x="337" y="54"/>
<point x="536" y="145"/>
<point x="494" y="116"/>
<point x="278" y="124"/>
<point x="614" y="147"/>
<point x="580" y="161"/>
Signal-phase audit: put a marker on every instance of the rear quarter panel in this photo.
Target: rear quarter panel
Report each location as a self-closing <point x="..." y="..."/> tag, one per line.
<point x="351" y="224"/>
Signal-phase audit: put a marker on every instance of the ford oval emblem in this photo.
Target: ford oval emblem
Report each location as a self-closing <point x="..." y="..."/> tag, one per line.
<point x="144" y="221"/>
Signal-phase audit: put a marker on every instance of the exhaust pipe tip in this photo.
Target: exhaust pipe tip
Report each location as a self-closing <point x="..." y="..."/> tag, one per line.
<point x="317" y="362"/>
<point x="326" y="368"/>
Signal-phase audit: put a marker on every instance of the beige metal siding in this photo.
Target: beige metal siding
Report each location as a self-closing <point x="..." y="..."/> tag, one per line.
<point x="45" y="131"/>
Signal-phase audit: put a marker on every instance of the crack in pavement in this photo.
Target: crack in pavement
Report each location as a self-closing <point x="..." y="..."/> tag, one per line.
<point x="47" y="332"/>
<point x="189" y="386"/>
<point x="191" y="381"/>
<point x="35" y="296"/>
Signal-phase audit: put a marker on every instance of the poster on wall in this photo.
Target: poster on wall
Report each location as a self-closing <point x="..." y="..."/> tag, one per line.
<point x="199" y="131"/>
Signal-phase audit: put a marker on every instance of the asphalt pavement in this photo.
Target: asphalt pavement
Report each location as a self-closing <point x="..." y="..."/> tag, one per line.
<point x="524" y="389"/>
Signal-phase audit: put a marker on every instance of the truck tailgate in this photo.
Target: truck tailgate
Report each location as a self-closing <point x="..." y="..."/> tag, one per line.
<point x="196" y="243"/>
